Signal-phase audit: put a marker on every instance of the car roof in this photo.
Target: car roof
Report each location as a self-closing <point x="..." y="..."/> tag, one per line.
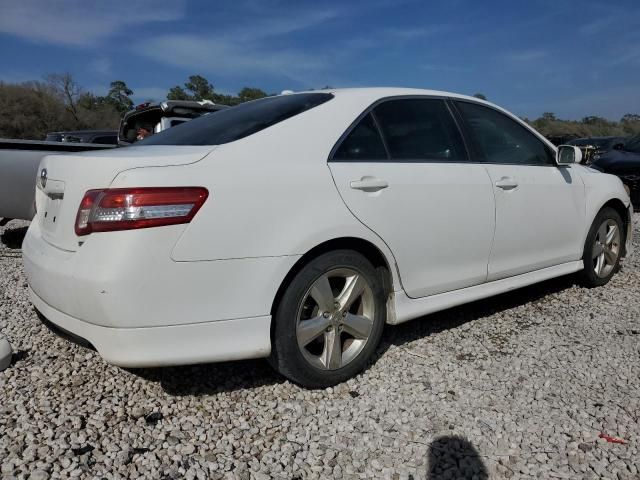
<point x="372" y="94"/>
<point x="382" y="92"/>
<point x="365" y="96"/>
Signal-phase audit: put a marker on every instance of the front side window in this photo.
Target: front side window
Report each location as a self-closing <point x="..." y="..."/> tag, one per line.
<point x="500" y="139"/>
<point x="420" y="129"/>
<point x="238" y="122"/>
<point x="362" y="143"/>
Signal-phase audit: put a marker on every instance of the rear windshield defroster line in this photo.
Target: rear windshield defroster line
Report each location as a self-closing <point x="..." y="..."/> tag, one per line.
<point x="238" y="122"/>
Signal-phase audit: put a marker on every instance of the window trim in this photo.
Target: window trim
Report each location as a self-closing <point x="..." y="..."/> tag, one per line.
<point x="370" y="109"/>
<point x="477" y="153"/>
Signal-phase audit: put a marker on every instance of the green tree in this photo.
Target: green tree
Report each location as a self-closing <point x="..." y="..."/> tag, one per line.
<point x="248" y="93"/>
<point x="178" y="93"/>
<point x="630" y="117"/>
<point x="200" y="88"/>
<point x="120" y="96"/>
<point x="197" y="88"/>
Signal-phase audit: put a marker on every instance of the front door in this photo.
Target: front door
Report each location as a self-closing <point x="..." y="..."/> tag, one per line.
<point x="540" y="207"/>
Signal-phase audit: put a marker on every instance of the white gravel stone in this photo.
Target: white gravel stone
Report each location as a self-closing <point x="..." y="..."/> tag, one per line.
<point x="517" y="386"/>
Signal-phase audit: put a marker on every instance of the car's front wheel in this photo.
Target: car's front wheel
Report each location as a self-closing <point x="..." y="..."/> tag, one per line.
<point x="329" y="320"/>
<point x="603" y="248"/>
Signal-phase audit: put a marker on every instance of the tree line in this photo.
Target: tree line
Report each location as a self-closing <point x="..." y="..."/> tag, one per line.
<point x="30" y="110"/>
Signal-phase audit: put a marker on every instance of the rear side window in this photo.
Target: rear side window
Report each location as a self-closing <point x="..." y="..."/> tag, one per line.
<point x="500" y="139"/>
<point x="106" y="140"/>
<point x="420" y="129"/>
<point x="234" y="123"/>
<point x="363" y="143"/>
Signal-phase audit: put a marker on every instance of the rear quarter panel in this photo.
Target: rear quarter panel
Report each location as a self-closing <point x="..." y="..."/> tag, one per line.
<point x="270" y="194"/>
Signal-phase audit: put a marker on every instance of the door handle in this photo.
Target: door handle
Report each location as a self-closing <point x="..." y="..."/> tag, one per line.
<point x="368" y="184"/>
<point x="507" y="183"/>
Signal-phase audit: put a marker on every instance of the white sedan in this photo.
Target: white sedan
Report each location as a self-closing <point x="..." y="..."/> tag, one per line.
<point x="294" y="227"/>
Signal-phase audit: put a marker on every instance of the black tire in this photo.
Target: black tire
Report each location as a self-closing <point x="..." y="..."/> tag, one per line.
<point x="588" y="276"/>
<point x="287" y="356"/>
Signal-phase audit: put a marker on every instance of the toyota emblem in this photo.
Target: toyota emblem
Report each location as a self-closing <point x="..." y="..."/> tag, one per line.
<point x="43" y="178"/>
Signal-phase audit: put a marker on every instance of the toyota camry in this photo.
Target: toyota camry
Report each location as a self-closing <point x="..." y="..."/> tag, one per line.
<point x="296" y="226"/>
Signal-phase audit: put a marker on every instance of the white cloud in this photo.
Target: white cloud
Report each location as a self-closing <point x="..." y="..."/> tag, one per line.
<point x="598" y="25"/>
<point x="218" y="55"/>
<point x="411" y="33"/>
<point x="242" y="48"/>
<point x="525" y="56"/>
<point x="252" y="48"/>
<point x="101" y="65"/>
<point x="80" y="23"/>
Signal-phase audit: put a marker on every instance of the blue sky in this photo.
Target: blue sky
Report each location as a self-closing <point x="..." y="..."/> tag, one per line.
<point x="571" y="57"/>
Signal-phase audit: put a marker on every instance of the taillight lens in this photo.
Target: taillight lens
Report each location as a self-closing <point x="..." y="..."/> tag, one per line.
<point x="129" y="208"/>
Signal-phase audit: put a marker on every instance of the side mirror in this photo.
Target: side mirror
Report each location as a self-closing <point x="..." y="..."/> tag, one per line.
<point x="568" y="154"/>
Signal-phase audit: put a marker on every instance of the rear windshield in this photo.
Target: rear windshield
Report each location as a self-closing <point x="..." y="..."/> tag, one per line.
<point x="238" y="122"/>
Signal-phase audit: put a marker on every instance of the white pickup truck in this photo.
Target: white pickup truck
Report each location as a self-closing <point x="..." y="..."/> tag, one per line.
<point x="19" y="159"/>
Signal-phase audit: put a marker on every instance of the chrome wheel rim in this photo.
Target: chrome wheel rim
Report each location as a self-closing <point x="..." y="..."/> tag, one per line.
<point x="335" y="319"/>
<point x="606" y="248"/>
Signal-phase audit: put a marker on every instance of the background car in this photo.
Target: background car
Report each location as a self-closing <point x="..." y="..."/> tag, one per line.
<point x="592" y="146"/>
<point x="103" y="137"/>
<point x="157" y="117"/>
<point x="295" y="227"/>
<point x="19" y="159"/>
<point x="624" y="163"/>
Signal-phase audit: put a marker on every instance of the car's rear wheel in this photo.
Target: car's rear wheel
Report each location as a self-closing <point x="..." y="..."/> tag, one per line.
<point x="603" y="248"/>
<point x="329" y="321"/>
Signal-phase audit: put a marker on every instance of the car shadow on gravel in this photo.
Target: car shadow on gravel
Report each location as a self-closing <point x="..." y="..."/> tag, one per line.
<point x="13" y="237"/>
<point x="398" y="335"/>
<point x="454" y="457"/>
<point x="210" y="379"/>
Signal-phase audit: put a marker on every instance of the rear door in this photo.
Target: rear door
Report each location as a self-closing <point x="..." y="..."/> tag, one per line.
<point x="403" y="171"/>
<point x="540" y="207"/>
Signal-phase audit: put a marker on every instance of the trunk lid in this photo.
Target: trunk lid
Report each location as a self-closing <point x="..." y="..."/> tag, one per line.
<point x="63" y="180"/>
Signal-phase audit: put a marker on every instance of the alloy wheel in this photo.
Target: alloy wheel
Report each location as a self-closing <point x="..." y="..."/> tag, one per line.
<point x="606" y="248"/>
<point x="335" y="318"/>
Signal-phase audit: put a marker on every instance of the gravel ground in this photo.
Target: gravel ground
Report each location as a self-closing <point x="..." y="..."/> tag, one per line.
<point x="517" y="386"/>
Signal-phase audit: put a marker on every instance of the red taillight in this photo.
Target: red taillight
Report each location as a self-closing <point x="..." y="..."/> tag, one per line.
<point x="129" y="208"/>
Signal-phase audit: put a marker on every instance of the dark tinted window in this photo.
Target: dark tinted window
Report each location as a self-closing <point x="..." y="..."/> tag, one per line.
<point x="420" y="129"/>
<point x="106" y="140"/>
<point x="363" y="143"/>
<point x="238" y="122"/>
<point x="499" y="139"/>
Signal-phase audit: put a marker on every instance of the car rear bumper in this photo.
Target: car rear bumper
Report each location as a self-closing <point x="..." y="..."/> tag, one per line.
<point x="128" y="280"/>
<point x="184" y="344"/>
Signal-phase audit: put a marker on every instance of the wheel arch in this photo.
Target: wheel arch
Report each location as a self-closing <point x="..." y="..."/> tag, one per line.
<point x="623" y="211"/>
<point x="360" y="245"/>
